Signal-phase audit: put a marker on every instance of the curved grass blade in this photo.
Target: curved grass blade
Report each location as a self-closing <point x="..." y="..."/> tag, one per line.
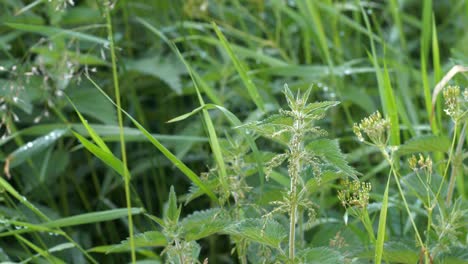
<point x="90" y="130"/>
<point x="177" y="162"/>
<point x="106" y="157"/>
<point x="94" y="217"/>
<point x="241" y="69"/>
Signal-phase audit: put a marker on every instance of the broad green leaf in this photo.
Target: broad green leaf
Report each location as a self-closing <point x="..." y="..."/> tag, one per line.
<point x="280" y="178"/>
<point x="51" y="57"/>
<point x="201" y="224"/>
<point x="264" y="231"/>
<point x="33" y="147"/>
<point x="53" y="32"/>
<point x="320" y="255"/>
<point x="94" y="217"/>
<point x="330" y="151"/>
<point x="426" y="143"/>
<point x="106" y="157"/>
<point x="167" y="69"/>
<point x="318" y="108"/>
<point x="143" y="240"/>
<point x="420" y="185"/>
<point x="90" y="102"/>
<point x="316" y="184"/>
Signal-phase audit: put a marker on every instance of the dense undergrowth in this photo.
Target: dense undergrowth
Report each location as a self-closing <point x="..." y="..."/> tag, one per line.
<point x="244" y="131"/>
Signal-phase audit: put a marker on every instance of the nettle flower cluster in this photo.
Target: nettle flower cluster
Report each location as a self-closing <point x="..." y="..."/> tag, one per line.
<point x="355" y="194"/>
<point x="375" y="127"/>
<point x="455" y="105"/>
<point x="420" y="163"/>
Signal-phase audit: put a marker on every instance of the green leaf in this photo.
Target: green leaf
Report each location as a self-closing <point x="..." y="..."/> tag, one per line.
<point x="330" y="151"/>
<point x="204" y="223"/>
<point x="55" y="56"/>
<point x="156" y="219"/>
<point x="94" y="217"/>
<point x="264" y="231"/>
<point x="271" y="125"/>
<point x="320" y="255"/>
<point x="102" y="145"/>
<point x="90" y="102"/>
<point x="316" y="184"/>
<point x="54" y="32"/>
<point x="426" y="143"/>
<point x="106" y="157"/>
<point x="33" y="147"/>
<point x="319" y="108"/>
<point x="142" y="240"/>
<point x="167" y="69"/>
<point x="171" y="211"/>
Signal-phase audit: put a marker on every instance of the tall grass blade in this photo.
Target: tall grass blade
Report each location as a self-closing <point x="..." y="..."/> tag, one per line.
<point x="379" y="245"/>
<point x="241" y="69"/>
<point x="126" y="174"/>
<point x="90" y="218"/>
<point x="106" y="157"/>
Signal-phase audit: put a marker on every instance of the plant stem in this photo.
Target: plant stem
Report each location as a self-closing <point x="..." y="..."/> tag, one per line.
<point x="405" y="203"/>
<point x="294" y="170"/>
<point x="456" y="164"/>
<point x="452" y="148"/>
<point x="292" y="219"/>
<point x="122" y="138"/>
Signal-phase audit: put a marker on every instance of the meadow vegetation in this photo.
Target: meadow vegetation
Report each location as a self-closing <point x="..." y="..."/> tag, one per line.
<point x="244" y="131"/>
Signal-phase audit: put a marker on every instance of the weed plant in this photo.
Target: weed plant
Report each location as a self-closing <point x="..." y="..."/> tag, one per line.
<point x="212" y="131"/>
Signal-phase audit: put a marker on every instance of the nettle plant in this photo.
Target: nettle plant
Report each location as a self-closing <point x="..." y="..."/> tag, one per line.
<point x="272" y="231"/>
<point x="307" y="158"/>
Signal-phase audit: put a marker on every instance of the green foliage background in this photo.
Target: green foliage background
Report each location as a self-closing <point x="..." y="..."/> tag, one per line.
<point x="210" y="67"/>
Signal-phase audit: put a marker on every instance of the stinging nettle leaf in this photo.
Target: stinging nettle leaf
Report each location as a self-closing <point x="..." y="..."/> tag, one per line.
<point x="172" y="212"/>
<point x="321" y="255"/>
<point x="426" y="143"/>
<point x="264" y="231"/>
<point x="330" y="151"/>
<point x="201" y="224"/>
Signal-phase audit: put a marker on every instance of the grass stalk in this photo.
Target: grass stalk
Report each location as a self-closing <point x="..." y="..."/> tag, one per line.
<point x="121" y="130"/>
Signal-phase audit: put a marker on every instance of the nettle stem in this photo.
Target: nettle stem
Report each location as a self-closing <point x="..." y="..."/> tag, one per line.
<point x="294" y="170"/>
